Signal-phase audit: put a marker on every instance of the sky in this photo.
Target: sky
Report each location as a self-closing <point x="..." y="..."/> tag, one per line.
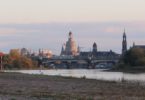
<point x="46" y="23"/>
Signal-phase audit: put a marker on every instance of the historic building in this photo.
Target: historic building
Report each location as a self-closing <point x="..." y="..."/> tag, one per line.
<point x="94" y="48"/>
<point x="138" y="46"/>
<point x="45" y="53"/>
<point x="101" y="55"/>
<point x="124" y="43"/>
<point x="25" y="52"/>
<point x="70" y="48"/>
<point x="95" y="54"/>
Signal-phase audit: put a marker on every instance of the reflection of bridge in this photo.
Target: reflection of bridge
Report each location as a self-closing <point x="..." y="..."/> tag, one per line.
<point x="77" y="63"/>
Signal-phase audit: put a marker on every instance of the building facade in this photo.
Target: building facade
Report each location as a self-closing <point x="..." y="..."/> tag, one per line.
<point x="45" y="53"/>
<point x="100" y="55"/>
<point x="138" y="46"/>
<point x="25" y="52"/>
<point x="70" y="48"/>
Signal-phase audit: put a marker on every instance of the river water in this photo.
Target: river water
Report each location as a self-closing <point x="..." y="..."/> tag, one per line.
<point x="89" y="74"/>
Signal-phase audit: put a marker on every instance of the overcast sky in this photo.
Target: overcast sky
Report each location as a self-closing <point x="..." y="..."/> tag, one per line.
<point x="45" y="23"/>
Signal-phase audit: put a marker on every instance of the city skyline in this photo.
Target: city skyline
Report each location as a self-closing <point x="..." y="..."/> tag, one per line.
<point x="36" y="24"/>
<point x="106" y="36"/>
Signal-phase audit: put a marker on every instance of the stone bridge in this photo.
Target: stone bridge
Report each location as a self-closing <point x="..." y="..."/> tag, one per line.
<point x="78" y="63"/>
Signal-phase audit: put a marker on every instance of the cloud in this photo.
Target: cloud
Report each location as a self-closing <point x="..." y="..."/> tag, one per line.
<point x="112" y="30"/>
<point x="5" y="31"/>
<point x="14" y="32"/>
<point x="22" y="31"/>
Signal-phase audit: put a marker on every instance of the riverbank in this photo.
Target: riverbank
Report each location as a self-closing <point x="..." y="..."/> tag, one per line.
<point x="134" y="70"/>
<point x="16" y="86"/>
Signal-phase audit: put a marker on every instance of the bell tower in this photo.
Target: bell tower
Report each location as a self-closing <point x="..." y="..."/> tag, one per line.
<point x="124" y="43"/>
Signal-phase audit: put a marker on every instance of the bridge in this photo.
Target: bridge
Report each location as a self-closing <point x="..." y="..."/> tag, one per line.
<point x="78" y="62"/>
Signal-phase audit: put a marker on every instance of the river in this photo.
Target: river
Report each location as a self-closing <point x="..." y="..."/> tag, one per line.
<point x="89" y="74"/>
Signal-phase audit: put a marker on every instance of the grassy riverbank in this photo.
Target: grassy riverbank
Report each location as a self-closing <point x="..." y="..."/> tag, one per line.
<point x="16" y="86"/>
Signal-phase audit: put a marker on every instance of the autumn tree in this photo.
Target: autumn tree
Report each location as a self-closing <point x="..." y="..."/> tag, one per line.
<point x="15" y="60"/>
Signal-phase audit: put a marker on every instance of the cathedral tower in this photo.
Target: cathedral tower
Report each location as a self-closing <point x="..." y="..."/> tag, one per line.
<point x="124" y="43"/>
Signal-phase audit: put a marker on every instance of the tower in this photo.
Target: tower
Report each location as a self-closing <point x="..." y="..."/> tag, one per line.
<point x="94" y="47"/>
<point x="78" y="49"/>
<point x="124" y="43"/>
<point x="70" y="35"/>
<point x="63" y="50"/>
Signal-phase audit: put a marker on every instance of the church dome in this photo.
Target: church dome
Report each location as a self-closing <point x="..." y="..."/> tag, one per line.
<point x="71" y="48"/>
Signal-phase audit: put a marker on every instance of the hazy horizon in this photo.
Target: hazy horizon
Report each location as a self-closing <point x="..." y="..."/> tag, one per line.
<point x="52" y="36"/>
<point x="45" y="24"/>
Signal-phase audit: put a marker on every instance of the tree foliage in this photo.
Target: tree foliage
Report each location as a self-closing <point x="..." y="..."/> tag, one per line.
<point x="15" y="60"/>
<point x="134" y="57"/>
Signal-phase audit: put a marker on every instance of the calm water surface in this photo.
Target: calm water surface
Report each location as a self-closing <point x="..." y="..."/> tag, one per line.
<point x="90" y="74"/>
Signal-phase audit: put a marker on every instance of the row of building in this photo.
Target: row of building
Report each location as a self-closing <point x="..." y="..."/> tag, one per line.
<point x="70" y="49"/>
<point x="43" y="53"/>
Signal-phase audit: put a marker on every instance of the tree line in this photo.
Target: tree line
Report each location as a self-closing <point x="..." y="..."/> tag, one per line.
<point x="133" y="58"/>
<point x="14" y="60"/>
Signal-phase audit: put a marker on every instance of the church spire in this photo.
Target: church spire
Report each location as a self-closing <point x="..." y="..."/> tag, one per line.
<point x="78" y="49"/>
<point x="124" y="43"/>
<point x="94" y="47"/>
<point x="63" y="49"/>
<point x="124" y="34"/>
<point x="70" y="34"/>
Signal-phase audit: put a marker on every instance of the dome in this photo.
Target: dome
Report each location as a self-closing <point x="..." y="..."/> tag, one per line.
<point x="71" y="47"/>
